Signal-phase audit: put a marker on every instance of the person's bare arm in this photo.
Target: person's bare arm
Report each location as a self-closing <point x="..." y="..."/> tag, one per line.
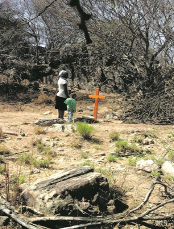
<point x="56" y="92"/>
<point x="66" y="90"/>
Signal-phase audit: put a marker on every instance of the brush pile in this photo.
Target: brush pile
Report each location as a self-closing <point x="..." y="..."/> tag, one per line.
<point x="156" y="107"/>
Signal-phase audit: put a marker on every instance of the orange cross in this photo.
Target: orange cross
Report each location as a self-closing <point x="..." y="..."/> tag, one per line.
<point x="96" y="97"/>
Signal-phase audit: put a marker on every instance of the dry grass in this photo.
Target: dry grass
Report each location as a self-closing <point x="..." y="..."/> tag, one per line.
<point x="44" y="98"/>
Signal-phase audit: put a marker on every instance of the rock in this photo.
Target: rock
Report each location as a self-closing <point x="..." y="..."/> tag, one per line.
<point x="147" y="141"/>
<point x="34" y="171"/>
<point x="46" y="122"/>
<point x="62" y="127"/>
<point x="146" y="165"/>
<point x="64" y="192"/>
<point x="168" y="168"/>
<point x="47" y="112"/>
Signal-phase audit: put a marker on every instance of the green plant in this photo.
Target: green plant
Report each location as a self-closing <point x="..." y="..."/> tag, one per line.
<point x="85" y="129"/>
<point x="26" y="159"/>
<point x="107" y="173"/>
<point x="84" y="155"/>
<point x="30" y="160"/>
<point x="147" y="151"/>
<point x="17" y="180"/>
<point x="132" y="160"/>
<point x="158" y="161"/>
<point x="138" y="139"/>
<point x="155" y="173"/>
<point x="170" y="153"/>
<point x="1" y="159"/>
<point x="2" y="168"/>
<point x="114" y="136"/>
<point x="97" y="147"/>
<point x="111" y="158"/>
<point x="171" y="134"/>
<point x="45" y="149"/>
<point x="87" y="163"/>
<point x="125" y="148"/>
<point x="41" y="147"/>
<point x="44" y="163"/>
<point x="150" y="134"/>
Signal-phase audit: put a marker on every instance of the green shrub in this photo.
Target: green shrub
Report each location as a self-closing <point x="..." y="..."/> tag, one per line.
<point x="41" y="147"/>
<point x="114" y="136"/>
<point x="44" y="163"/>
<point x="155" y="173"/>
<point x="30" y="160"/>
<point x="84" y="129"/>
<point x="84" y="155"/>
<point x="132" y="160"/>
<point x="150" y="134"/>
<point x="26" y="159"/>
<point x="125" y="148"/>
<point x="111" y="158"/>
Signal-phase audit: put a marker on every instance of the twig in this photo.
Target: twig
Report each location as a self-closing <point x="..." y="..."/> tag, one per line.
<point x="4" y="207"/>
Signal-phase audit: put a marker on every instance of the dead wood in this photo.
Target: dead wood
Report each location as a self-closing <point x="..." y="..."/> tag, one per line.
<point x="8" y="133"/>
<point x="128" y="216"/>
<point x="155" y="107"/>
<point x="64" y="218"/>
<point x="8" y="210"/>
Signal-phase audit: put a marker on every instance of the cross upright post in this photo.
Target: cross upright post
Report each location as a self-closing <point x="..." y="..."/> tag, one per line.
<point x="96" y="97"/>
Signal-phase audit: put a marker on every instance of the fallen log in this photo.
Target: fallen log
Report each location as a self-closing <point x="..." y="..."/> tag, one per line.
<point x="125" y="217"/>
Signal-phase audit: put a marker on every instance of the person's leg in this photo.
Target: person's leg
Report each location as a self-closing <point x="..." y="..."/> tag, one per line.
<point x="70" y="115"/>
<point x="60" y="114"/>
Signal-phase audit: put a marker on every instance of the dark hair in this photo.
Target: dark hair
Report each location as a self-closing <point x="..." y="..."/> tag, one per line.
<point x="73" y="95"/>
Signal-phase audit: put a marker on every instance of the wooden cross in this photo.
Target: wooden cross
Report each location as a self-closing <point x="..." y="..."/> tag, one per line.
<point x="96" y="97"/>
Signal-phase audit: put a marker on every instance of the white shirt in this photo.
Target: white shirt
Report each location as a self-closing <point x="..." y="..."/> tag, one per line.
<point x="61" y="82"/>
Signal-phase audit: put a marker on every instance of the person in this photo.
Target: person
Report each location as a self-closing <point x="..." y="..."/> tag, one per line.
<point x="71" y="106"/>
<point x="61" y="94"/>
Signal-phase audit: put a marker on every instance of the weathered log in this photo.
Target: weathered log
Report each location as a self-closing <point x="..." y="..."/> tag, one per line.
<point x="75" y="191"/>
<point x="125" y="217"/>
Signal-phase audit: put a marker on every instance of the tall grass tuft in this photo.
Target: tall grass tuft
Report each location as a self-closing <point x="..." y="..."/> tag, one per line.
<point x="85" y="129"/>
